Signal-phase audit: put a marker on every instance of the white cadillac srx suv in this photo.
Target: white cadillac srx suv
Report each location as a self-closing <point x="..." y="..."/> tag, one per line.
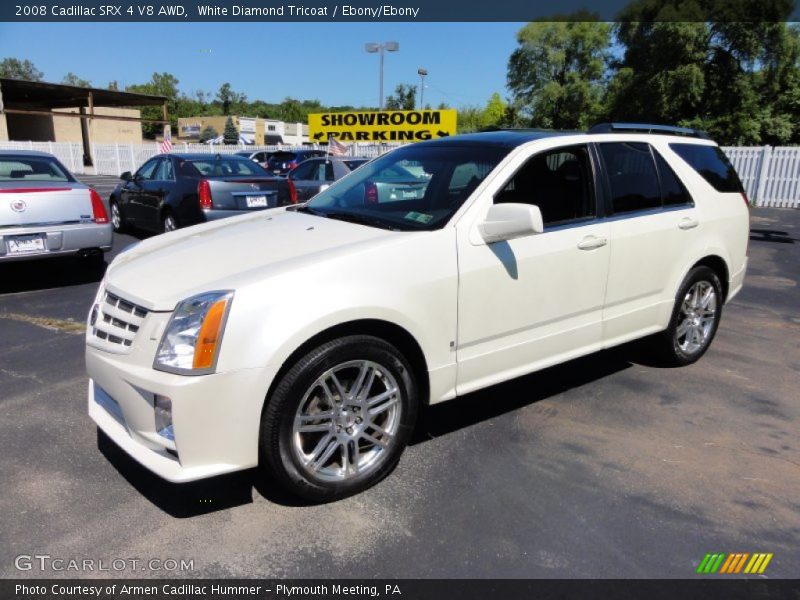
<point x="305" y="339"/>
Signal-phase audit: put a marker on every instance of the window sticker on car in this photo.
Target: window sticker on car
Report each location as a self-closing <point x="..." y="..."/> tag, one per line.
<point x="419" y="217"/>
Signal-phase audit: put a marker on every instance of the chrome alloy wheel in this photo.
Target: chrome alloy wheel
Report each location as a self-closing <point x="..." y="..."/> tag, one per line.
<point x="116" y="218"/>
<point x="347" y="420"/>
<point x="698" y="312"/>
<point x="169" y="224"/>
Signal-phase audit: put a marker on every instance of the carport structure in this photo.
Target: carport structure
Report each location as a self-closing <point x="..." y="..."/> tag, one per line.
<point x="32" y="105"/>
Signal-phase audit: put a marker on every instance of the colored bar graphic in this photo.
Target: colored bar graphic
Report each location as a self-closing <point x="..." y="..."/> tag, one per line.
<point x="733" y="563"/>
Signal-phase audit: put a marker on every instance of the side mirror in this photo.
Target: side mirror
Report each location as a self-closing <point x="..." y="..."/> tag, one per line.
<point x="126" y="176"/>
<point x="510" y="221"/>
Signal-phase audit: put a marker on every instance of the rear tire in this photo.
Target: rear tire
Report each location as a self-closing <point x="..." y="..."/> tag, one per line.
<point x="339" y="419"/>
<point x="695" y="319"/>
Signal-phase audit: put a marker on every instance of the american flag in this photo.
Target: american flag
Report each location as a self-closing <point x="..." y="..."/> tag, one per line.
<point x="166" y="145"/>
<point x="336" y="147"/>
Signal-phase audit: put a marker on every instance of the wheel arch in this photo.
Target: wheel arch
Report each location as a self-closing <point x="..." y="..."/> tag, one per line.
<point x="717" y="264"/>
<point x="390" y="332"/>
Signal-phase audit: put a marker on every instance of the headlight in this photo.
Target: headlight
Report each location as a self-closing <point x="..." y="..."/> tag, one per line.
<point x="190" y="343"/>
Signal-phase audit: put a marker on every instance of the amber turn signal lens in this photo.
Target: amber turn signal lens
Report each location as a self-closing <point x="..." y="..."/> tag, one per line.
<point x="207" y="339"/>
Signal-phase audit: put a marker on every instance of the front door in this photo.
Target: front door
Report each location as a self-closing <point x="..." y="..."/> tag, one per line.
<point x="531" y="302"/>
<point x="154" y="192"/>
<point x="131" y="193"/>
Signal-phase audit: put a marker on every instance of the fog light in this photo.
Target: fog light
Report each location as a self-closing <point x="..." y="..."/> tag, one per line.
<point x="163" y="414"/>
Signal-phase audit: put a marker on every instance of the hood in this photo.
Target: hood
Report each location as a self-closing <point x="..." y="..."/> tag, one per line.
<point x="161" y="271"/>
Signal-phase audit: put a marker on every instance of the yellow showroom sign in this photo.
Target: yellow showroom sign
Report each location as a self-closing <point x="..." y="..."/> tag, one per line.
<point x="382" y="126"/>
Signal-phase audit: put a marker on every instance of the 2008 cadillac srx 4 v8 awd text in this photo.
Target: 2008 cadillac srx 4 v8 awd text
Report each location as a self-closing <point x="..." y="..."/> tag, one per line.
<point x="306" y="338"/>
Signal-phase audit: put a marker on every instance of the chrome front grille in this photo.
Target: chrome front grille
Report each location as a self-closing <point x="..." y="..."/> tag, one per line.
<point x="117" y="321"/>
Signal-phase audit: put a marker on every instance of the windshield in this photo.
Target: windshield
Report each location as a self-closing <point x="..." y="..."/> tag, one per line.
<point x="413" y="188"/>
<point x="19" y="168"/>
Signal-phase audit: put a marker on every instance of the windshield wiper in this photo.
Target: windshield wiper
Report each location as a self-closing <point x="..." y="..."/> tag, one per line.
<point x="357" y="218"/>
<point x="306" y="209"/>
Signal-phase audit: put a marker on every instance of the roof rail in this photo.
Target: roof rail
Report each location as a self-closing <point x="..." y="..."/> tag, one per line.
<point x="648" y="128"/>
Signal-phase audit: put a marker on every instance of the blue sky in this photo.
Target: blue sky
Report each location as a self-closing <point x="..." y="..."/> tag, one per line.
<point x="466" y="62"/>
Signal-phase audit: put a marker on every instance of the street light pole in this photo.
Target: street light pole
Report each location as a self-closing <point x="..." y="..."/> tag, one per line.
<point x="422" y="73"/>
<point x="372" y="48"/>
<point x="380" y="83"/>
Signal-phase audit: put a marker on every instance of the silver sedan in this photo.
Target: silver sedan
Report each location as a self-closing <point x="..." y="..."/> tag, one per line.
<point x="45" y="211"/>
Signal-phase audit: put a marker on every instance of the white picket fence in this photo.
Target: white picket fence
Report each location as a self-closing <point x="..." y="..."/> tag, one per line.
<point x="114" y="159"/>
<point x="771" y="175"/>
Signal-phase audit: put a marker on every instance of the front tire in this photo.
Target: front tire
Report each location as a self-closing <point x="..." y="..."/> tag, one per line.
<point x="168" y="222"/>
<point x="339" y="419"/>
<point x="117" y="220"/>
<point x="695" y="318"/>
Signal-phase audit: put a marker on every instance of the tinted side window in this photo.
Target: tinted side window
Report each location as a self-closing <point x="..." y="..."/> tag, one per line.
<point x="712" y="164"/>
<point x="164" y="171"/>
<point x="559" y="182"/>
<point x="147" y="169"/>
<point x="632" y="176"/>
<point x="672" y="191"/>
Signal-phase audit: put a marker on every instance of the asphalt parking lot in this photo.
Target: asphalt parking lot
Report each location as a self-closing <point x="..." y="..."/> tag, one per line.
<point x="607" y="466"/>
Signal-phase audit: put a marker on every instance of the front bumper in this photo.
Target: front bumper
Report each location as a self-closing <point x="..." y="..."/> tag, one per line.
<point x="216" y="418"/>
<point x="59" y="240"/>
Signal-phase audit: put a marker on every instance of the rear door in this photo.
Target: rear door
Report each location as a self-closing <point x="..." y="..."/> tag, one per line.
<point x="655" y="229"/>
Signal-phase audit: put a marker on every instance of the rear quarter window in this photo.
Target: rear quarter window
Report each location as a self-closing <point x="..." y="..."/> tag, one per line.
<point x="712" y="165"/>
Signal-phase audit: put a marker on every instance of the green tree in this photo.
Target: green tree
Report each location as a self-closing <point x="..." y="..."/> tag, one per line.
<point x="231" y="134"/>
<point x="556" y="73"/>
<point x="229" y="99"/>
<point x="494" y="114"/>
<point x="732" y="73"/>
<point x="72" y="79"/>
<point x="404" y="98"/>
<point x="469" y="119"/>
<point x="14" y="68"/>
<point x="160" y="84"/>
<point x="209" y="133"/>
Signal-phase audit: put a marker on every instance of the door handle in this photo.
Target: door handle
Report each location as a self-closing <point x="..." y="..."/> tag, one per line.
<point x="687" y="223"/>
<point x="590" y="242"/>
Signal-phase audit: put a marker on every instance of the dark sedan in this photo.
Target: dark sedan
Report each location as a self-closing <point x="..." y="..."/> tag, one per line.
<point x="314" y="175"/>
<point x="177" y="190"/>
